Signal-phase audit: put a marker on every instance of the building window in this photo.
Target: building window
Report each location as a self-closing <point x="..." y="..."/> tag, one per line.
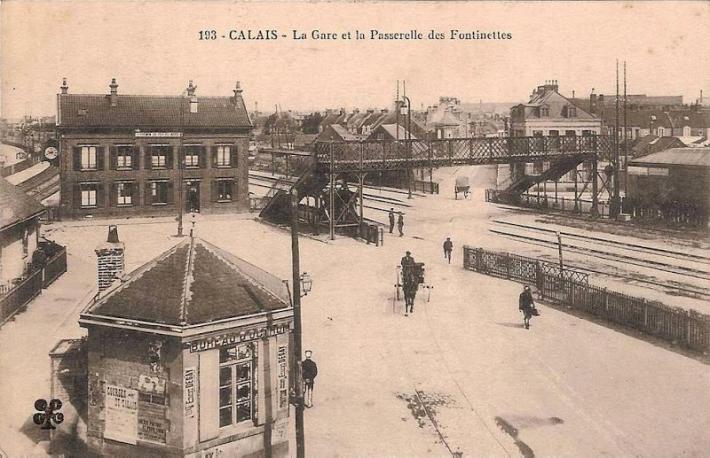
<point x="88" y="158"/>
<point x="124" y="157"/>
<point x="225" y="190"/>
<point x="159" y="156"/>
<point x="661" y="131"/>
<point x="224" y="156"/>
<point x="571" y="112"/>
<point x="25" y="243"/>
<point x="554" y="133"/>
<point x="544" y="112"/>
<point x="192" y="156"/>
<point x="586" y="133"/>
<point x="686" y="131"/>
<point x="236" y="384"/>
<point x="89" y="193"/>
<point x="537" y="133"/>
<point x="124" y="194"/>
<point x="159" y="192"/>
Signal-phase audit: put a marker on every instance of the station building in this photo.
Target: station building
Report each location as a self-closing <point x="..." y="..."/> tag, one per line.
<point x="201" y="369"/>
<point x="131" y="155"/>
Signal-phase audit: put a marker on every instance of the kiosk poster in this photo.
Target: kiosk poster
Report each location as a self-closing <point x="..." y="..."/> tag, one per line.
<point x="121" y="414"/>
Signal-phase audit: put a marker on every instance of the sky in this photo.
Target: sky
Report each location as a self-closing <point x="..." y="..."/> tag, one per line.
<point x="154" y="48"/>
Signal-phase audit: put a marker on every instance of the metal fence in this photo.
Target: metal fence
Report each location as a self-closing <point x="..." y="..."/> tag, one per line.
<point x="428" y="187"/>
<point x="29" y="287"/>
<point x="543" y="202"/>
<point x="686" y="327"/>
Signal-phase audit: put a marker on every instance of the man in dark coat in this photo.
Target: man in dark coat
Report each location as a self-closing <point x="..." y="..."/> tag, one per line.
<point x="448" y="248"/>
<point x="309" y="371"/>
<point x="400" y="224"/>
<point x="526" y="305"/>
<point x="391" y="216"/>
<point x="407" y="260"/>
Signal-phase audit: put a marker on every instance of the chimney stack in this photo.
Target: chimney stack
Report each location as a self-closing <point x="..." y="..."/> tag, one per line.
<point x="191" y="88"/>
<point x="114" y="92"/>
<point x="64" y="87"/>
<point x="110" y="259"/>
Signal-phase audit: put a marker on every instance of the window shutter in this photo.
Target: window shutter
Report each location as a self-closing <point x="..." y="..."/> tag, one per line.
<point x="212" y="151"/>
<point x="235" y="155"/>
<point x="100" y="157"/>
<point x="113" y="194"/>
<point x="100" y="195"/>
<point x="215" y="190"/>
<point x="134" y="159"/>
<point x="169" y="157"/>
<point x="148" y="197"/>
<point x="113" y="157"/>
<point x="148" y="163"/>
<point x="134" y="194"/>
<point x="77" y="196"/>
<point x="171" y="198"/>
<point x="203" y="157"/>
<point x="209" y="395"/>
<point x="77" y="157"/>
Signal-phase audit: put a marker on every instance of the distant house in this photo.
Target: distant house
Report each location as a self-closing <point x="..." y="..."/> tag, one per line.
<point x="19" y="232"/>
<point x="674" y="181"/>
<point x="389" y="132"/>
<point x="548" y="113"/>
<point x="652" y="144"/>
<point x="338" y="133"/>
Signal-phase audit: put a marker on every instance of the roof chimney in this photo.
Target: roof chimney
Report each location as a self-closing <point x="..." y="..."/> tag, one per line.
<point x="191" y="88"/>
<point x="64" y="87"/>
<point x="114" y="92"/>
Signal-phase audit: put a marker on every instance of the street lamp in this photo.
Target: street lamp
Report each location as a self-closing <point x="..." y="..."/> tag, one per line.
<point x="306" y="283"/>
<point x="409" y="143"/>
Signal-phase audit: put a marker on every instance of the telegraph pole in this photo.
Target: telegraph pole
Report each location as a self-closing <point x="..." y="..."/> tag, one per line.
<point x="181" y="204"/>
<point x="615" y="199"/>
<point x="300" y="434"/>
<point x="626" y="143"/>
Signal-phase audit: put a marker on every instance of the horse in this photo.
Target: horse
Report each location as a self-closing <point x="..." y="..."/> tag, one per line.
<point x="411" y="278"/>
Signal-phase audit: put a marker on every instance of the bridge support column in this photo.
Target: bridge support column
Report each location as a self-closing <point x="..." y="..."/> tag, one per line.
<point x="595" y="191"/>
<point x="576" y="192"/>
<point x="361" y="182"/>
<point x="331" y="206"/>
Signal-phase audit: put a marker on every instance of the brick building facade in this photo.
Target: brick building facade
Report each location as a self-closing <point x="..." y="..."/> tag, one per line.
<point x="130" y="155"/>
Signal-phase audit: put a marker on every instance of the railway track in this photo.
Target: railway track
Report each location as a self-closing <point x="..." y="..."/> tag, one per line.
<point x="674" y="269"/>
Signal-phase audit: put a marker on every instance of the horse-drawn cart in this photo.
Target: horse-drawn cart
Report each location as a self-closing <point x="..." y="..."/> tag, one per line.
<point x="461" y="186"/>
<point x="409" y="278"/>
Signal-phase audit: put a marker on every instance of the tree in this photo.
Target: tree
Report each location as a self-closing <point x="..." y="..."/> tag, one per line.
<point x="311" y="123"/>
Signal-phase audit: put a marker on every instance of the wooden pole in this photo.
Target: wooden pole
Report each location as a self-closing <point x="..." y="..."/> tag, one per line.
<point x="297" y="352"/>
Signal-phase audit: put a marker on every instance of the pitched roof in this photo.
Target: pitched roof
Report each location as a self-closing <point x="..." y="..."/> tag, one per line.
<point x="442" y="118"/>
<point x="557" y="105"/>
<point x="393" y="130"/>
<point x="692" y="157"/>
<point x="143" y="111"/>
<point x="199" y="283"/>
<point x="652" y="144"/>
<point x="15" y="205"/>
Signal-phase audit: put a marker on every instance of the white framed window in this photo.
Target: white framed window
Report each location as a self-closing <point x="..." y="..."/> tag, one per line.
<point x="236" y="384"/>
<point x="89" y="194"/>
<point x="686" y="131"/>
<point x="124" y="194"/>
<point x="124" y="157"/>
<point x="192" y="155"/>
<point x="224" y="156"/>
<point x="88" y="158"/>
<point x="661" y="132"/>
<point x="159" y="156"/>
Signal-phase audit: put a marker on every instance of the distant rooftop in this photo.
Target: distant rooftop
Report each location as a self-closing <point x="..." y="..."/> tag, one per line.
<point x="687" y="157"/>
<point x="15" y="205"/>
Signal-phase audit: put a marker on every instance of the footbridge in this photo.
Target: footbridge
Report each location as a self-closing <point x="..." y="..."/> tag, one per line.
<point x="326" y="199"/>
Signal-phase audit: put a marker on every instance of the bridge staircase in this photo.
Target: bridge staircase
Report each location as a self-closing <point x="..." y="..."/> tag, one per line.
<point x="556" y="171"/>
<point x="278" y="208"/>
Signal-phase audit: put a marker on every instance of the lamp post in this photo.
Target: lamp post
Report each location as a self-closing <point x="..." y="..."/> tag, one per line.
<point x="409" y="143"/>
<point x="297" y="352"/>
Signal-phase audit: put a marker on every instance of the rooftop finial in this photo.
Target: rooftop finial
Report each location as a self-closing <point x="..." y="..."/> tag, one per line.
<point x="113" y="86"/>
<point x="238" y="89"/>
<point x="64" y="87"/>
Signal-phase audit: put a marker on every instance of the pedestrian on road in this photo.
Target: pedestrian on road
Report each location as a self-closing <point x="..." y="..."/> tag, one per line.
<point x="391" y="215"/>
<point x="448" y="248"/>
<point x="400" y="224"/>
<point x="527" y="306"/>
<point x="309" y="370"/>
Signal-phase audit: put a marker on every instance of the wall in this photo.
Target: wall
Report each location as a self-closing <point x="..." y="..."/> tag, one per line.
<point x="12" y="259"/>
<point x="121" y="358"/>
<point x="70" y="178"/>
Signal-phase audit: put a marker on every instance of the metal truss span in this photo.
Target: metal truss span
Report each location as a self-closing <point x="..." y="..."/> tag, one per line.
<point x="365" y="156"/>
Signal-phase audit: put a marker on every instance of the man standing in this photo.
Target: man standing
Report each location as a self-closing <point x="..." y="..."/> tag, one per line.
<point x="407" y="260"/>
<point x="309" y="370"/>
<point x="391" y="215"/>
<point x="400" y="224"/>
<point x="448" y="248"/>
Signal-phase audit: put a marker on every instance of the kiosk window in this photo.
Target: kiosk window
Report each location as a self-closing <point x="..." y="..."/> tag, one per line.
<point x="236" y="384"/>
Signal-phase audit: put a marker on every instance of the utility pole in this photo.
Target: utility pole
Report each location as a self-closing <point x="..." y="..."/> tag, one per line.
<point x="559" y="250"/>
<point x="615" y="199"/>
<point x="626" y="143"/>
<point x="297" y="352"/>
<point x="409" y="143"/>
<point x="181" y="204"/>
